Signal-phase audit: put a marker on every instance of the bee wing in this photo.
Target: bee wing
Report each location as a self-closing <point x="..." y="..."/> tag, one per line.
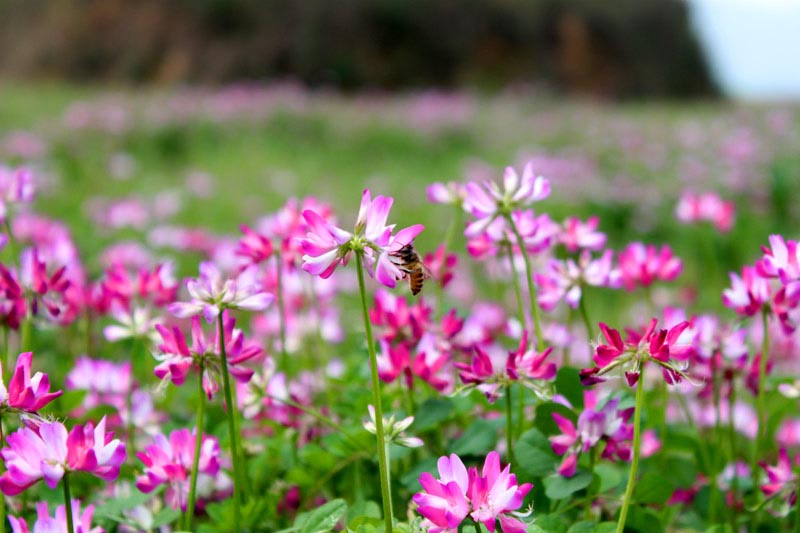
<point x="426" y="272"/>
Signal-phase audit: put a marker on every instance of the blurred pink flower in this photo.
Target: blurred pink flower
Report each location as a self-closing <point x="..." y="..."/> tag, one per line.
<point x="82" y="520"/>
<point x="642" y="265"/>
<point x="24" y="392"/>
<point x="708" y="207"/>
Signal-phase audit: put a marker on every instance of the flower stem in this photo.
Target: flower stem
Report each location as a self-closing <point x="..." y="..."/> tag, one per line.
<point x="760" y="408"/>
<point x="509" y="427"/>
<point x="25" y="333"/>
<point x="732" y="444"/>
<point x="198" y="444"/>
<point x="637" y="438"/>
<point x="517" y="288"/>
<point x="585" y="315"/>
<point x="386" y="494"/>
<point x="2" y="496"/>
<point x="237" y="497"/>
<point x="531" y="287"/>
<point x="281" y="311"/>
<point x="68" y="503"/>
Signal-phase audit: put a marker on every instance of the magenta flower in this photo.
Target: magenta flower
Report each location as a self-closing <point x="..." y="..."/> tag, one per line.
<point x="748" y="294"/>
<point x="451" y="193"/>
<point x="169" y="461"/>
<point x="487" y="201"/>
<point x="488" y="497"/>
<point x="642" y="265"/>
<point x="566" y="279"/>
<point x="661" y="347"/>
<point x="781" y="483"/>
<point x="124" y="288"/>
<point x="443" y="501"/>
<point x="254" y="246"/>
<point x="23" y="293"/>
<point x="494" y="494"/>
<point x="780" y="260"/>
<point x="82" y="520"/>
<point x="576" y="235"/>
<point x="16" y="187"/>
<point x="177" y="357"/>
<point x="708" y="207"/>
<point x="211" y="293"/>
<point x="525" y="366"/>
<point x="50" y="452"/>
<point x="24" y="392"/>
<point x="327" y="246"/>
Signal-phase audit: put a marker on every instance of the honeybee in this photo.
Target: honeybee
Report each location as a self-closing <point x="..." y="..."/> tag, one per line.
<point x="407" y="260"/>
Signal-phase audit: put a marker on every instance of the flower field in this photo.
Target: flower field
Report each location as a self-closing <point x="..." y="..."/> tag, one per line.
<point x="262" y="308"/>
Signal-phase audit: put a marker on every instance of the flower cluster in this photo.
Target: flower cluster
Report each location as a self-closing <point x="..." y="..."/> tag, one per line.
<point x="648" y="344"/>
<point x="327" y="246"/>
<point x="707" y="207"/>
<point x="48" y="452"/>
<point x="169" y="461"/>
<point x="487" y="497"/>
<point x="601" y="421"/>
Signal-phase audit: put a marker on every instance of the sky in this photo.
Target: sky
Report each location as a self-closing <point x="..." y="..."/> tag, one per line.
<point x="753" y="46"/>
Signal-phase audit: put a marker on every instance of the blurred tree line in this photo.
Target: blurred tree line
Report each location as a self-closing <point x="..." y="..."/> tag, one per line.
<point x="619" y="48"/>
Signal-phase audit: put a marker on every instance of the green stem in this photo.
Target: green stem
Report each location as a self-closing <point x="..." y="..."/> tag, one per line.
<point x="585" y="315"/>
<point x="281" y="311"/>
<point x="531" y="287"/>
<point x="732" y="444"/>
<point x="2" y="496"/>
<point x="517" y="288"/>
<point x="509" y="427"/>
<point x="232" y="411"/>
<point x="797" y="506"/>
<point x="637" y="438"/>
<point x="762" y="375"/>
<point x="12" y="243"/>
<point x="68" y="503"/>
<point x="712" y="514"/>
<point x="25" y="333"/>
<point x="386" y="494"/>
<point x="198" y="445"/>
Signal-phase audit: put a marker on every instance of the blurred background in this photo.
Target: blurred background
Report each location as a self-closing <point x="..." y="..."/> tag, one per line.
<point x="174" y="122"/>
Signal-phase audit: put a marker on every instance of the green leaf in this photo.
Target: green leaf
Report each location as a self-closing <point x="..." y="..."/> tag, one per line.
<point x="478" y="439"/>
<point x="568" y="384"/>
<point x="363" y="509"/>
<point x="322" y="519"/>
<point x="551" y="524"/>
<point x="606" y="527"/>
<point x="682" y="470"/>
<point x="643" y="520"/>
<point x="432" y="413"/>
<point x="535" y="457"/>
<point x="610" y="477"/>
<point x="653" y="488"/>
<point x="165" y="516"/>
<point x="582" y="527"/>
<point x="719" y="528"/>
<point x="558" y="487"/>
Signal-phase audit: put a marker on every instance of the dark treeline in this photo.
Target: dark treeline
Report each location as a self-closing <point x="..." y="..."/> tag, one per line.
<point x="619" y="48"/>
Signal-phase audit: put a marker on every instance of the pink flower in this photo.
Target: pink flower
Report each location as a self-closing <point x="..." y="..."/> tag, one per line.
<point x="487" y="201"/>
<point x="781" y="481"/>
<point x="642" y="265"/>
<point x="254" y="246"/>
<point x="326" y="246"/>
<point x="446" y="193"/>
<point x="122" y="287"/>
<point x="709" y="207"/>
<point x="748" y="294"/>
<point x="661" y="347"/>
<point x="781" y="260"/>
<point x="211" y="293"/>
<point x="24" y="392"/>
<point x="576" y="235"/>
<point x="49" y="452"/>
<point x="169" y="461"/>
<point x="495" y="493"/>
<point x="528" y="367"/>
<point x="16" y="187"/>
<point x="177" y="357"/>
<point x="23" y="293"/>
<point x="566" y="279"/>
<point x="487" y="497"/>
<point x="444" y="501"/>
<point x="82" y="520"/>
